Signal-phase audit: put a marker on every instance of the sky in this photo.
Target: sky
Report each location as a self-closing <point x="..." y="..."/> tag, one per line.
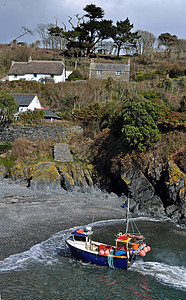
<point x="155" y="16"/>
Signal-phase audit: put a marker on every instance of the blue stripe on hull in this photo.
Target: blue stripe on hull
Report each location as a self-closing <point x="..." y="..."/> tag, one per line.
<point x="99" y="259"/>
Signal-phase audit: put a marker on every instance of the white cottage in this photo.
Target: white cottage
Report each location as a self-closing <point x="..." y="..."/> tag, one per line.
<point x="26" y="102"/>
<point x="37" y="70"/>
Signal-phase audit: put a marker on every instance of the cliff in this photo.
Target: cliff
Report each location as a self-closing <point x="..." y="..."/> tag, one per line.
<point x="154" y="180"/>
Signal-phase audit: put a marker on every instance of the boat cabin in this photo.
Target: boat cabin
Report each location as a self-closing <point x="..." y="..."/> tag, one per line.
<point x="82" y="235"/>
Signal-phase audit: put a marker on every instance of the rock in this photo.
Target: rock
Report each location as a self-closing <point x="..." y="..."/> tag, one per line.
<point x="153" y="207"/>
<point x="67" y="182"/>
<point x="62" y="153"/>
<point x="74" y="174"/>
<point x="45" y="175"/>
<point x="142" y="192"/>
<point x="171" y="209"/>
<point x="139" y="186"/>
<point x="18" y="173"/>
<point x="175" y="184"/>
<point x="81" y="177"/>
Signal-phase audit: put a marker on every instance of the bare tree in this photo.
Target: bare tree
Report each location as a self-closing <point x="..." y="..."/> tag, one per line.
<point x="24" y="31"/>
<point x="146" y="42"/>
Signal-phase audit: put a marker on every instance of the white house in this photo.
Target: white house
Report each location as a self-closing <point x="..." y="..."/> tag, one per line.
<point x="37" y="70"/>
<point x="26" y="102"/>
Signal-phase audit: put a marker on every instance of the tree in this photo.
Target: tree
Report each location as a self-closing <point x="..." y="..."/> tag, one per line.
<point x="122" y="35"/>
<point x="167" y="40"/>
<point x="8" y="107"/>
<point x="145" y="42"/>
<point x="88" y="33"/>
<point x="48" y="40"/>
<point x="139" y="128"/>
<point x="24" y="32"/>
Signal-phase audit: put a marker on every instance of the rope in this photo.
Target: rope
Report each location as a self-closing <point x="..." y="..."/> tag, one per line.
<point x="110" y="259"/>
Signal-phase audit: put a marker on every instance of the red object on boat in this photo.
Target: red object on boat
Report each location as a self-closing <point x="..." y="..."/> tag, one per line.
<point x="142" y="253"/>
<point x="106" y="252"/>
<point x="123" y="237"/>
<point x="148" y="248"/>
<point x="135" y="246"/>
<point x="145" y="249"/>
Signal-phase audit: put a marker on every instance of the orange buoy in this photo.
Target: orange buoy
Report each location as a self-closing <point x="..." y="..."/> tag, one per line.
<point x="142" y="253"/>
<point x="107" y="252"/>
<point x="148" y="248"/>
<point x="145" y="249"/>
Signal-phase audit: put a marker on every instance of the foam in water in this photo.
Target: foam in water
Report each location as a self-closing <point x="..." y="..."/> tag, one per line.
<point x="171" y="275"/>
<point x="45" y="253"/>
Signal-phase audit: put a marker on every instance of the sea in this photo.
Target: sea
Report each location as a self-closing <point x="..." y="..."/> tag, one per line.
<point x="40" y="273"/>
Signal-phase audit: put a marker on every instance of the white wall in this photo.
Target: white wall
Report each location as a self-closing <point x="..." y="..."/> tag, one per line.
<point x="31" y="77"/>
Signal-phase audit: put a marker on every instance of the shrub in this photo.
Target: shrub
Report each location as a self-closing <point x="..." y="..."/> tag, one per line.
<point x="75" y="75"/>
<point x="141" y="76"/>
<point x="176" y="71"/>
<point x="5" y="146"/>
<point x="150" y="94"/>
<point x="22" y="147"/>
<point x="139" y="130"/>
<point x="31" y="117"/>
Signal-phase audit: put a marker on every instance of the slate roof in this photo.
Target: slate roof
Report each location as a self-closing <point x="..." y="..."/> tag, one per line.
<point x="23" y="99"/>
<point x="49" y="114"/>
<point x="37" y="67"/>
<point x="110" y="67"/>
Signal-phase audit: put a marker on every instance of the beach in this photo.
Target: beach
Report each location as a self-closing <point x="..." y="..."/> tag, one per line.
<point x="28" y="217"/>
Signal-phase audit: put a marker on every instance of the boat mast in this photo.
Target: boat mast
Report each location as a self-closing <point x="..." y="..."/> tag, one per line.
<point x="127" y="216"/>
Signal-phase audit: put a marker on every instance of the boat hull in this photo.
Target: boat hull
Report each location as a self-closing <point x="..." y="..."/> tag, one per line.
<point x="101" y="260"/>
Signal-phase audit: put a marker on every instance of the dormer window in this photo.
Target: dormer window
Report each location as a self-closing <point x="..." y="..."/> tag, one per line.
<point x="118" y="72"/>
<point x="99" y="72"/>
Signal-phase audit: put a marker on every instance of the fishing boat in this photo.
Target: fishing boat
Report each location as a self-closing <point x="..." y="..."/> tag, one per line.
<point x="121" y="255"/>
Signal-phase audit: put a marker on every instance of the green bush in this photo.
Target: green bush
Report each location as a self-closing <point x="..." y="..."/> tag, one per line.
<point x="32" y="117"/>
<point x="140" y="131"/>
<point x="141" y="76"/>
<point x="75" y="75"/>
<point x="5" y="146"/>
<point x="150" y="94"/>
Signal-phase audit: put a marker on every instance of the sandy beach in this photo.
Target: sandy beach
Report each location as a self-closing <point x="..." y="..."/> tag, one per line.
<point x="28" y="217"/>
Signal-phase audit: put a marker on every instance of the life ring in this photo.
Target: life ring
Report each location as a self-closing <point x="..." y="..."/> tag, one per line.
<point x="80" y="231"/>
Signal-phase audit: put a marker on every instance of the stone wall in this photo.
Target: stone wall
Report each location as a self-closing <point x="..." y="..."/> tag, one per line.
<point x="40" y="132"/>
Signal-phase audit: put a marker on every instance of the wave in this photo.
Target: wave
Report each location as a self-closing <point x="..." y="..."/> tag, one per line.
<point x="44" y="253"/>
<point x="169" y="275"/>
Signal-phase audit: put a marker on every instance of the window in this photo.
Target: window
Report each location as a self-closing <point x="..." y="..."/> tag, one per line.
<point x="15" y="75"/>
<point x="52" y="75"/>
<point x="99" y="71"/>
<point x="35" y="75"/>
<point x="118" y="72"/>
<point x="80" y="238"/>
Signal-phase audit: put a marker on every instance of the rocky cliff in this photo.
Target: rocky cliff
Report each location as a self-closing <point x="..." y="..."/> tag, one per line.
<point x="154" y="182"/>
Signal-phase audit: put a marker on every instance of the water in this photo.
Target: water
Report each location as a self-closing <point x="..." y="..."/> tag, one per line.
<point x="40" y="273"/>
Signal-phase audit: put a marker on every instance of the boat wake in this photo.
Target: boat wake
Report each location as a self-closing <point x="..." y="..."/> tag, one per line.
<point x="173" y="276"/>
<point x="43" y="253"/>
